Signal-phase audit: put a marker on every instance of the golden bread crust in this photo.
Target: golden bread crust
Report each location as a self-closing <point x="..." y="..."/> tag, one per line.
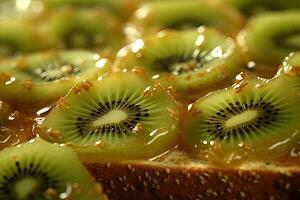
<point x="155" y="181"/>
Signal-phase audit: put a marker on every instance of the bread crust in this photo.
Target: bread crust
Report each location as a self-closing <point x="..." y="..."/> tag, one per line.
<point x="155" y="181"/>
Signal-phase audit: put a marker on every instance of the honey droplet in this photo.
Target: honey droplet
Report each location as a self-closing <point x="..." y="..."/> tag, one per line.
<point x="139" y="70"/>
<point x="54" y="134"/>
<point x="139" y="128"/>
<point x="62" y="104"/>
<point x="173" y="114"/>
<point x="51" y="193"/>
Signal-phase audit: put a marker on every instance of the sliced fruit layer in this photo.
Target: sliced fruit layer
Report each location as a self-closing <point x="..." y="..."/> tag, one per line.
<point x="39" y="170"/>
<point x="193" y="62"/>
<point x="122" y="8"/>
<point x="263" y="42"/>
<point x="38" y="79"/>
<point x="252" y="7"/>
<point x="20" y="35"/>
<point x="122" y="116"/>
<point x="257" y="119"/>
<point x="155" y="16"/>
<point x="84" y="28"/>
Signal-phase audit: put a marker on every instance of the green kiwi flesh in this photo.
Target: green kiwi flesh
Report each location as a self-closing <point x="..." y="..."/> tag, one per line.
<point x="263" y="42"/>
<point x="84" y="28"/>
<point x="40" y="78"/>
<point x="56" y="4"/>
<point x="252" y="7"/>
<point x="38" y="170"/>
<point x="120" y="8"/>
<point x="122" y="116"/>
<point x="19" y="35"/>
<point x="159" y="15"/>
<point x="257" y="118"/>
<point x="193" y="62"/>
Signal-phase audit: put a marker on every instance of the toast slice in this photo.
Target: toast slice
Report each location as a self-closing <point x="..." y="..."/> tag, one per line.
<point x="176" y="176"/>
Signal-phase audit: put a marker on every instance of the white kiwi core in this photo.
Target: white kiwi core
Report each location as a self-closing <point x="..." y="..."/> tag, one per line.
<point x="25" y="187"/>
<point x="112" y="117"/>
<point x="245" y="116"/>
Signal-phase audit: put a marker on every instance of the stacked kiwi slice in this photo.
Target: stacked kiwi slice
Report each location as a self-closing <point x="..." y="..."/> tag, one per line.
<point x="92" y="28"/>
<point x="264" y="42"/>
<point x="194" y="62"/>
<point x="38" y="79"/>
<point x="252" y="7"/>
<point x="39" y="170"/>
<point x="155" y="16"/>
<point x="116" y="80"/>
<point x="123" y="116"/>
<point x="121" y="8"/>
<point x="20" y="35"/>
<point x="265" y="45"/>
<point x="259" y="117"/>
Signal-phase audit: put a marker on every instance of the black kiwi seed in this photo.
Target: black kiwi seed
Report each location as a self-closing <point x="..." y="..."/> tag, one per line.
<point x="216" y="126"/>
<point x="83" y="125"/>
<point x="181" y="64"/>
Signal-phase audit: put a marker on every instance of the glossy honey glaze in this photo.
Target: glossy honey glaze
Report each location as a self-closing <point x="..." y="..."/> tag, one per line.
<point x="19" y="127"/>
<point x="18" y="123"/>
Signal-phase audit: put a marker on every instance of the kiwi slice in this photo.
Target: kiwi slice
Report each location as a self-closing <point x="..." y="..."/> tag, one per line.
<point x="258" y="118"/>
<point x="84" y="28"/>
<point x="155" y="16"/>
<point x="20" y="35"/>
<point x="289" y="71"/>
<point x="122" y="116"/>
<point x="194" y="62"/>
<point x="121" y="8"/>
<point x="264" y="42"/>
<point x="34" y="170"/>
<point x="252" y="7"/>
<point x="38" y="79"/>
<point x="56" y="4"/>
